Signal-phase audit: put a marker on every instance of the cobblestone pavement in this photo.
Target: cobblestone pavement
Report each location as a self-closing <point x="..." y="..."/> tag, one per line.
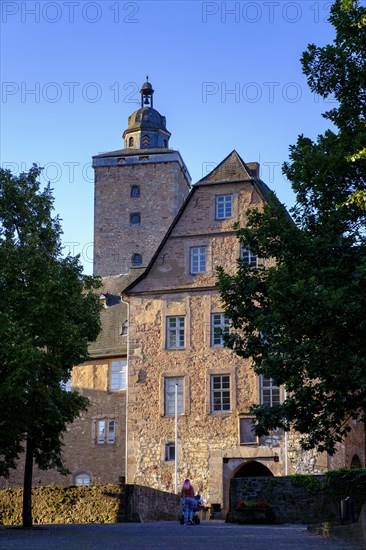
<point x="210" y="535"/>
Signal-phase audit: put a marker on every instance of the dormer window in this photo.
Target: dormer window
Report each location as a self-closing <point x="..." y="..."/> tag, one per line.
<point x="137" y="260"/>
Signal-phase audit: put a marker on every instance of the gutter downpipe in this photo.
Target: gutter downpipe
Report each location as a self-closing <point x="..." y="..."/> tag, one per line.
<point x="127" y="386"/>
<point x="176" y="440"/>
<point x="286" y="442"/>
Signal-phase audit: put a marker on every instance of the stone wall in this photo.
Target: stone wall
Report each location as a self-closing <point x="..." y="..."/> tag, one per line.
<point x="291" y="504"/>
<point x="147" y="504"/>
<point x="90" y="504"/>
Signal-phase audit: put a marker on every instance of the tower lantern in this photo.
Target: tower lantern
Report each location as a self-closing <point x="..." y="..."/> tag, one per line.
<point x="146" y="126"/>
<point x="147" y="94"/>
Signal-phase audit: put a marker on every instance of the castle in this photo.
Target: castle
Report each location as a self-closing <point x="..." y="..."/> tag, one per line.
<point x="157" y="242"/>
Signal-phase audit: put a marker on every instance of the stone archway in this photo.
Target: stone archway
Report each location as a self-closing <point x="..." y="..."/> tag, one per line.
<point x="356" y="462"/>
<point x="236" y="467"/>
<point x="252" y="469"/>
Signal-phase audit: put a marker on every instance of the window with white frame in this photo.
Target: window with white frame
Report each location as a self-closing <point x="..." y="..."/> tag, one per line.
<point x="220" y="325"/>
<point x="170" y="385"/>
<point x="248" y="257"/>
<point x="175" y="332"/>
<point x="118" y="375"/>
<point x="83" y="479"/>
<point x="247" y="434"/>
<point x="106" y="431"/>
<point x="198" y="259"/>
<point x="220" y="393"/>
<point x="270" y="392"/>
<point x="224" y="207"/>
<point x="169" y="452"/>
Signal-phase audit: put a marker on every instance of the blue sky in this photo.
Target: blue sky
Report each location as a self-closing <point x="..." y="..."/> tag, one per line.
<point x="226" y="75"/>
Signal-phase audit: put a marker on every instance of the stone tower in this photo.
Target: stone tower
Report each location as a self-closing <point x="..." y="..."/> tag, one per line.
<point x="138" y="191"/>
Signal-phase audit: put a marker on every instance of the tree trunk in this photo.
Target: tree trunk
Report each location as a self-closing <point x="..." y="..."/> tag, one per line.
<point x="364" y="439"/>
<point x="27" y="488"/>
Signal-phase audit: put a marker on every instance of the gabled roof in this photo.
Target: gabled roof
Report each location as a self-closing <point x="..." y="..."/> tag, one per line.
<point x="232" y="168"/>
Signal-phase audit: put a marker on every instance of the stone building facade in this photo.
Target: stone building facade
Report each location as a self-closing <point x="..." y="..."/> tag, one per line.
<point x="161" y="241"/>
<point x="175" y="322"/>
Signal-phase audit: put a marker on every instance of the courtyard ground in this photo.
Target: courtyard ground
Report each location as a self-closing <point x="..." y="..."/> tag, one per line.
<point x="209" y="535"/>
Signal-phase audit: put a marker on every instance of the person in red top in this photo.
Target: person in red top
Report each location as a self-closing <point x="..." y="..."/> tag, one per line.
<point x="188" y="495"/>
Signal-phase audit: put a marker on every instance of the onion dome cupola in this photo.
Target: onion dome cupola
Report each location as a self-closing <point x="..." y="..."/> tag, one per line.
<point x="146" y="127"/>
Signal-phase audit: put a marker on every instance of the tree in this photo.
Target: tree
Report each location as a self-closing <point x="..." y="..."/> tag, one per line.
<point x="48" y="313"/>
<point x="302" y="317"/>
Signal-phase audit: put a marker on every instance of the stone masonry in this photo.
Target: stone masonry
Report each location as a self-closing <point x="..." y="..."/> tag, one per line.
<point x="206" y="439"/>
<point x="163" y="184"/>
<point x="149" y="182"/>
<point x="210" y="451"/>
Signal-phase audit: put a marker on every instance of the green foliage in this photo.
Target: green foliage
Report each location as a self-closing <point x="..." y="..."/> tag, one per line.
<point x="48" y="313"/>
<point x="343" y="483"/>
<point x="302" y="320"/>
<point x="311" y="484"/>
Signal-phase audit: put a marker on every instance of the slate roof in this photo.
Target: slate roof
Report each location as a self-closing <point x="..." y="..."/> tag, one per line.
<point x="146" y="117"/>
<point x="110" y="342"/>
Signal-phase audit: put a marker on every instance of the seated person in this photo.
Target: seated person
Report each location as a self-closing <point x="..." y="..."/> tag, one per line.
<point x="199" y="500"/>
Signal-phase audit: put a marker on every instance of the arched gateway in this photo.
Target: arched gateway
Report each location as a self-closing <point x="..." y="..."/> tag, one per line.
<point x="252" y="469"/>
<point x="240" y="468"/>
